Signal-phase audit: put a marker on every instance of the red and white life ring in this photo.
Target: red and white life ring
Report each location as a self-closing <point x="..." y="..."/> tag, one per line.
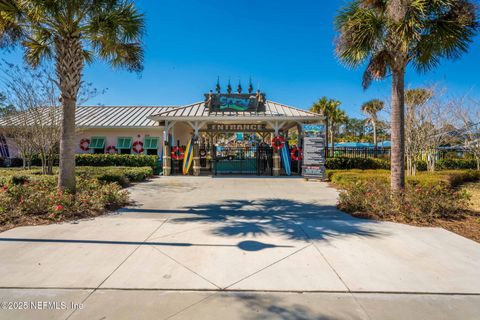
<point x="178" y="153"/>
<point x="111" y="149"/>
<point x="296" y="154"/>
<point x="137" y="147"/>
<point x="278" y="142"/>
<point x="84" y="144"/>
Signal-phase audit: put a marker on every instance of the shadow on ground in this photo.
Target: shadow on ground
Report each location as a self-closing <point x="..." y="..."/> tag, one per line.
<point x="290" y="219"/>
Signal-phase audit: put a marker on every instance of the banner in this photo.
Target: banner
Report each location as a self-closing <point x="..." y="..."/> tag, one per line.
<point x="313" y="151"/>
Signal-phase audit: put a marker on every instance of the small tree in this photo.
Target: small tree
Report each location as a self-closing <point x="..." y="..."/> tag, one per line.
<point x="32" y="123"/>
<point x="468" y="115"/>
<point x="371" y="109"/>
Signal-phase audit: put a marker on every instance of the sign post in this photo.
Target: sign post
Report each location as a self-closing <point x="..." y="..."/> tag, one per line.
<point x="313" y="166"/>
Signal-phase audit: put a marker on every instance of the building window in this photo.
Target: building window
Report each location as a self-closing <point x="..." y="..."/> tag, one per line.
<point x="97" y="144"/>
<point x="124" y="145"/>
<point x="150" y="145"/>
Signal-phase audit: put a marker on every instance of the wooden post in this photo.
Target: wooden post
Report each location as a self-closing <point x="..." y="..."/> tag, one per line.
<point x="166" y="159"/>
<point x="196" y="156"/>
<point x="276" y="162"/>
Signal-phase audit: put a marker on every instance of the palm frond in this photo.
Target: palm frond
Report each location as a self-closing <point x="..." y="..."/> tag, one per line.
<point x="361" y="31"/>
<point x="377" y="68"/>
<point x="116" y="30"/>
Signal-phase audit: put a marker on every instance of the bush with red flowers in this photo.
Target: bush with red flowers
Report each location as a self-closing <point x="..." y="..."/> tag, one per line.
<point x="39" y="201"/>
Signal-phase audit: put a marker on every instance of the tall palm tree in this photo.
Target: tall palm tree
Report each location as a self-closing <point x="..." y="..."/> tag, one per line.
<point x="326" y="107"/>
<point x="391" y="34"/>
<point x="372" y="108"/>
<point x="72" y="32"/>
<point x="337" y="116"/>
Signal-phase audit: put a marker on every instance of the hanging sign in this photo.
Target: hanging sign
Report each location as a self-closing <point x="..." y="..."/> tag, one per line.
<point x="313" y="151"/>
<point x="237" y="127"/>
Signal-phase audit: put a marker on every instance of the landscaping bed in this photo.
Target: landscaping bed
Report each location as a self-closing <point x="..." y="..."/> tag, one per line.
<point x="29" y="198"/>
<point x="448" y="199"/>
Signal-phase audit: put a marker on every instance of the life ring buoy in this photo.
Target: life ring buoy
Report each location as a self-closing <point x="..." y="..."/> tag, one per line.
<point x="84" y="144"/>
<point x="111" y="149"/>
<point x="178" y="153"/>
<point x="137" y="147"/>
<point x="278" y="142"/>
<point x="296" y="154"/>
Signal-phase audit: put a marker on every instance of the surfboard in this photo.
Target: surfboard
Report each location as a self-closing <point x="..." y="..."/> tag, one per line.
<point x="188" y="159"/>
<point x="285" y="154"/>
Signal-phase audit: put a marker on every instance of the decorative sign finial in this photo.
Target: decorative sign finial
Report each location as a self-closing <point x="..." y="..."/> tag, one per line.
<point x="239" y="88"/>
<point x="250" y="87"/>
<point x="217" y="87"/>
<point x="229" y="88"/>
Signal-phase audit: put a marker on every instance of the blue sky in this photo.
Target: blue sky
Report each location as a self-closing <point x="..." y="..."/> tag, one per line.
<point x="285" y="46"/>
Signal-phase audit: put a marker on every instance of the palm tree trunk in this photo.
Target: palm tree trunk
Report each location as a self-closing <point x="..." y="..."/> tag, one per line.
<point x="326" y="137"/>
<point x="69" y="65"/>
<point x="375" y="133"/>
<point x="398" y="130"/>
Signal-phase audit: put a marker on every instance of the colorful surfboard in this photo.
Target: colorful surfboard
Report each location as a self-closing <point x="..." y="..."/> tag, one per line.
<point x="285" y="155"/>
<point x="188" y="159"/>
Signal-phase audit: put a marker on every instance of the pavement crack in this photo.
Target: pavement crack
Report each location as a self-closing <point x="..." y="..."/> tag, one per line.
<point x="178" y="262"/>
<point x="268" y="266"/>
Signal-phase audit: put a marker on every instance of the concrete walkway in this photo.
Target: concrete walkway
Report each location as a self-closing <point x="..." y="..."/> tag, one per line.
<point x="238" y="248"/>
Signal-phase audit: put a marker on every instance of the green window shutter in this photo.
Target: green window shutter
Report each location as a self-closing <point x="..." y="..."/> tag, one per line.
<point x="151" y="143"/>
<point x="124" y="143"/>
<point x="97" y="143"/>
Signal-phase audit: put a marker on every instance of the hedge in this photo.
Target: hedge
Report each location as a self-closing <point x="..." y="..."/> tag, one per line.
<point x="124" y="160"/>
<point x="452" y="178"/>
<point x="453" y="164"/>
<point x="102" y="160"/>
<point x="356" y="163"/>
<point x="121" y="175"/>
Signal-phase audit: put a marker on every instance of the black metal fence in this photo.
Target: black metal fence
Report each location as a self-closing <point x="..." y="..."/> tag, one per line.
<point x="357" y="152"/>
<point x="384" y="153"/>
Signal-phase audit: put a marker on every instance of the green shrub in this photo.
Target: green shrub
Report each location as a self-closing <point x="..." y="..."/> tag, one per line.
<point x="124" y="160"/>
<point x="40" y="201"/>
<point x="421" y="165"/>
<point x="455" y="164"/>
<point x="356" y="163"/>
<point x="19" y="179"/>
<point x="419" y="203"/>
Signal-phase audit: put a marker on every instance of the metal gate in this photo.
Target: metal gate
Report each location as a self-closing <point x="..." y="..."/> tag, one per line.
<point x="242" y="160"/>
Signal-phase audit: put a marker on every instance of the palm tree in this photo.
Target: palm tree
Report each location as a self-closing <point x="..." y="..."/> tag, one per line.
<point x="325" y="107"/>
<point x="389" y="35"/>
<point x="71" y="33"/>
<point x="337" y="116"/>
<point x="372" y="108"/>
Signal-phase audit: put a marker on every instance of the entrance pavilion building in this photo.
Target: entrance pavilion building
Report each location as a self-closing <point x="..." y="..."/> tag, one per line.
<point x="232" y="132"/>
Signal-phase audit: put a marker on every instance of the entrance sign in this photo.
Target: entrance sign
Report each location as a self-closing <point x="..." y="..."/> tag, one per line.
<point x="235" y="102"/>
<point x="313" y="151"/>
<point x="237" y="127"/>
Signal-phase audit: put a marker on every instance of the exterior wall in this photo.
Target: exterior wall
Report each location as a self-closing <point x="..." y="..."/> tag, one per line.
<point x="114" y="133"/>
<point x="181" y="132"/>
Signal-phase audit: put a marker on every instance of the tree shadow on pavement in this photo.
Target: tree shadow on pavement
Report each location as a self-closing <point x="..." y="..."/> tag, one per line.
<point x="288" y="218"/>
<point x="263" y="306"/>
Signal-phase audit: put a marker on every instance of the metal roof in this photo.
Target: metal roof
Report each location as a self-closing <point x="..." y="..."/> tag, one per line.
<point x="149" y="116"/>
<point x="118" y="116"/>
<point x="273" y="111"/>
<point x="92" y="116"/>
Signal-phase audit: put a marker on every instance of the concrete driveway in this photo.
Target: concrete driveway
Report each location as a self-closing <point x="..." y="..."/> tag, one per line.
<point x="237" y="248"/>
